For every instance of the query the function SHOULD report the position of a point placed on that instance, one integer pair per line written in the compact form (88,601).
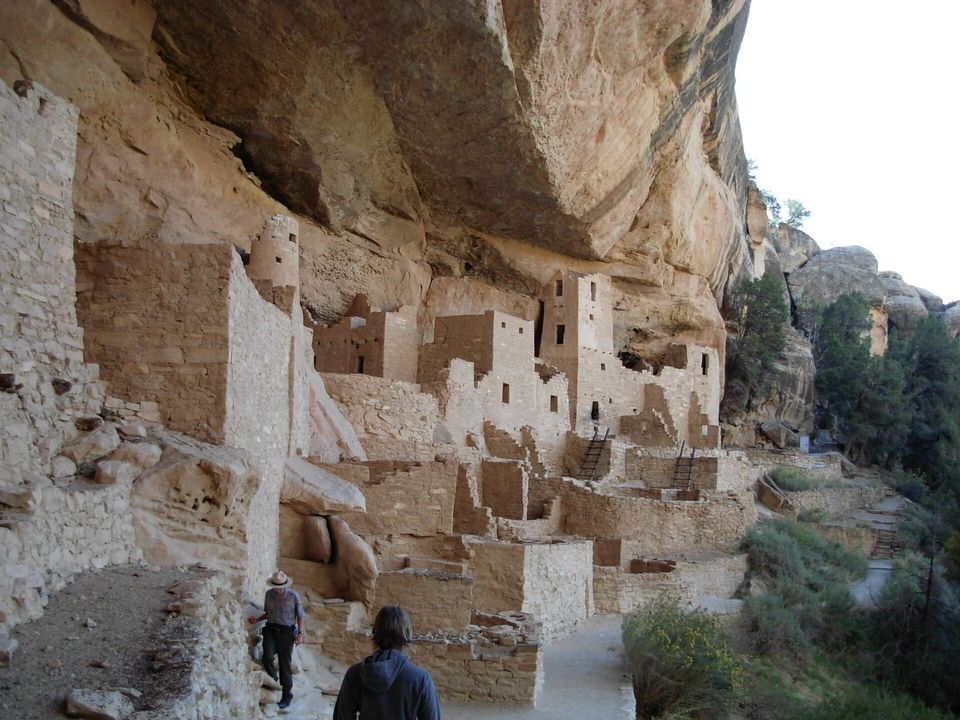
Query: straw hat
(279,579)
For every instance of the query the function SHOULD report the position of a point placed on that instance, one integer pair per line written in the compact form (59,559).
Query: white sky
(851,107)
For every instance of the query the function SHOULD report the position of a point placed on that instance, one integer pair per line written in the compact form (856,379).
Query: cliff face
(497,141)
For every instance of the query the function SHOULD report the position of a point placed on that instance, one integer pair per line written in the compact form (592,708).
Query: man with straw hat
(283,612)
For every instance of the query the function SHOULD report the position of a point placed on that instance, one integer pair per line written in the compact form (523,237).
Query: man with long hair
(386,685)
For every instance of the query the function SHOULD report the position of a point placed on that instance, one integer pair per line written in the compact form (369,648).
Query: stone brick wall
(505,488)
(257,407)
(223,682)
(60,532)
(465,672)
(393,419)
(621,592)
(558,585)
(838,499)
(156,320)
(552,581)
(434,600)
(467,337)
(388,342)
(40,340)
(714,522)
(412,498)
(466,666)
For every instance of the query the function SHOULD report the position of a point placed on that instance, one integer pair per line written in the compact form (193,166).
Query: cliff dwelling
(367,328)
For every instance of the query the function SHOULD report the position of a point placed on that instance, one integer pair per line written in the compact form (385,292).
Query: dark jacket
(387,686)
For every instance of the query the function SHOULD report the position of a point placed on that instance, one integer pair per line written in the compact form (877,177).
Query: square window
(521,331)
(603,366)
(503,324)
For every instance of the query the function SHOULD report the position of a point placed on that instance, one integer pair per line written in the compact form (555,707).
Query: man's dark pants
(278,641)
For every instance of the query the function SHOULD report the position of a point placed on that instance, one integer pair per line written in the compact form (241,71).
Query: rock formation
(417,302)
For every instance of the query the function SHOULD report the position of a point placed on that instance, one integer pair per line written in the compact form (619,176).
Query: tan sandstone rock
(312,490)
(317,539)
(143,455)
(111,472)
(355,563)
(98,705)
(94,445)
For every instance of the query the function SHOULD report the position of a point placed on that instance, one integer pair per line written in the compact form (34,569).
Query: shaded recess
(542,121)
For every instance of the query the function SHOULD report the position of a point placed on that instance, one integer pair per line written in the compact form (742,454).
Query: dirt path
(113,618)
(585,677)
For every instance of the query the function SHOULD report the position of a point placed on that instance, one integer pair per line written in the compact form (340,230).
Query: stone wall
(505,488)
(382,344)
(466,666)
(156,320)
(467,671)
(558,585)
(621,591)
(223,683)
(57,533)
(45,383)
(412,498)
(716,521)
(434,600)
(392,418)
(260,390)
(836,500)
(552,581)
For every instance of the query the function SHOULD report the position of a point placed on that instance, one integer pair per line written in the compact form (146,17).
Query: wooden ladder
(683,470)
(591,458)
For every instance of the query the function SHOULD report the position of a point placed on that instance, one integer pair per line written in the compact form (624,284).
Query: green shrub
(909,484)
(812,515)
(776,628)
(680,662)
(871,703)
(809,600)
(793,479)
(915,634)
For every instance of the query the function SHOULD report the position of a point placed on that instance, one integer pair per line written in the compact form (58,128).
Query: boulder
(116,472)
(63,467)
(20,497)
(143,455)
(933,303)
(951,318)
(832,273)
(94,445)
(269,696)
(794,247)
(317,539)
(193,505)
(905,308)
(780,435)
(355,564)
(98,705)
(791,397)
(332,437)
(313,491)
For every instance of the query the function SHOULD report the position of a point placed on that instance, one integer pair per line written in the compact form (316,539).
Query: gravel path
(114,618)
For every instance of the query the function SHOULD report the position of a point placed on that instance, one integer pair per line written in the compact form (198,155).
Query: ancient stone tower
(275,255)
